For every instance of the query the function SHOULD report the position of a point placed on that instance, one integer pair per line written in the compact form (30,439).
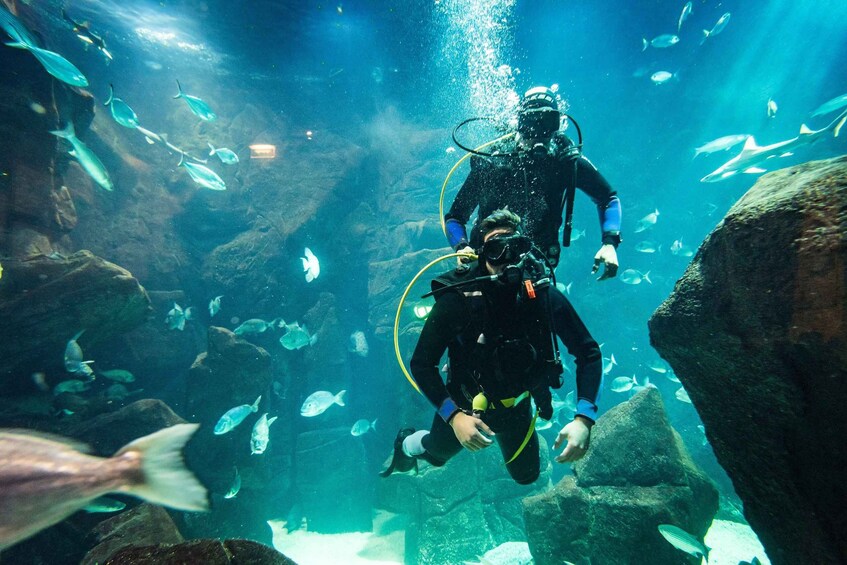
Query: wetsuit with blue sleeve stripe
(532,186)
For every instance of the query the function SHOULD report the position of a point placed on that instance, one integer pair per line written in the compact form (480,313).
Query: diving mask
(503,250)
(538,124)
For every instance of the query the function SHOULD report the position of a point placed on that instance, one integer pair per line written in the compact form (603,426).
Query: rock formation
(756,331)
(45,301)
(636,475)
(463,509)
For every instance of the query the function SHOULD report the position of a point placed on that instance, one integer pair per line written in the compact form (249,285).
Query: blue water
(347,69)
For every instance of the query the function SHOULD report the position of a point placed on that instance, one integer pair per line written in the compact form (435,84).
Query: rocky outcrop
(756,331)
(229,373)
(109,432)
(463,509)
(144,525)
(44,301)
(206,551)
(636,476)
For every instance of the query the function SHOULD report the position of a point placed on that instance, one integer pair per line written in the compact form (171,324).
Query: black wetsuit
(457,319)
(532,186)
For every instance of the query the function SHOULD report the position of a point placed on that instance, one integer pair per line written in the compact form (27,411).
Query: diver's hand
(466,259)
(469,431)
(577,434)
(608,257)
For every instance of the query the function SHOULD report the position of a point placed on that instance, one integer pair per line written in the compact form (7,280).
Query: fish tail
(272,420)
(373,424)
(166,480)
(67,133)
(18,44)
(647,277)
(111,95)
(211,149)
(838,123)
(255,407)
(339,398)
(180,93)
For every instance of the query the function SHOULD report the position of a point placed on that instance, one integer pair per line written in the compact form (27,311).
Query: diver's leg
(440,444)
(510,427)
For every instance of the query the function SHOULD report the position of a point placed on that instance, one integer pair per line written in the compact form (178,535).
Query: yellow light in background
(263,151)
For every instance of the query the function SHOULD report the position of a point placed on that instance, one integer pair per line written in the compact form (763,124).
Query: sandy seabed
(731,542)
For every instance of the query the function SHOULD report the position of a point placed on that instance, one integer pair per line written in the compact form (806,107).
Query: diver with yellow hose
(497,320)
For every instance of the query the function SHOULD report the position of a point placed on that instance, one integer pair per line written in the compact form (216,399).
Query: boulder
(463,509)
(756,331)
(109,432)
(636,476)
(44,301)
(205,551)
(144,525)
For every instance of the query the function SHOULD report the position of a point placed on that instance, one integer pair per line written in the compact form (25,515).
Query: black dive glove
(543,401)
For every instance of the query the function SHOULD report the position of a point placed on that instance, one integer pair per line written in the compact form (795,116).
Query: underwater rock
(636,475)
(109,432)
(144,525)
(756,332)
(232,371)
(205,551)
(324,491)
(463,509)
(44,301)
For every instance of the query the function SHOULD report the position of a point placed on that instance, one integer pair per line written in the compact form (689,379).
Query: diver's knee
(527,478)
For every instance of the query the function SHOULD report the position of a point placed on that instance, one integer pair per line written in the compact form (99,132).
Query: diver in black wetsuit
(497,330)
(532,176)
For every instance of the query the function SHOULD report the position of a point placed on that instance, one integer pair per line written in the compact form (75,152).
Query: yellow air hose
(453,170)
(400,308)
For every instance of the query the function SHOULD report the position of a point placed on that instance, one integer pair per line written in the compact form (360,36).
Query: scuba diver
(535,175)
(498,319)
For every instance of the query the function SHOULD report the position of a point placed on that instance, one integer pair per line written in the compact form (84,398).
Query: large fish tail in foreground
(44,480)
(166,480)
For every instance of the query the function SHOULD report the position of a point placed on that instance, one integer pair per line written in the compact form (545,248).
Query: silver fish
(623,384)
(608,363)
(104,504)
(632,276)
(319,401)
(647,221)
(43,480)
(665,40)
(253,326)
(261,434)
(311,265)
(202,175)
(659,366)
(86,157)
(215,305)
(661,77)
(647,246)
(679,248)
(772,108)
(117,391)
(671,376)
(121,111)
(721,144)
(119,375)
(72,385)
(361,427)
(234,416)
(718,27)
(197,106)
(227,156)
(832,105)
(684,541)
(686,11)
(296,337)
(682,395)
(236,485)
(177,317)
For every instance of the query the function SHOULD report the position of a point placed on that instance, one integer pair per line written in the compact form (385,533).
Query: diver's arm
(442,325)
(580,344)
(590,181)
(466,201)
